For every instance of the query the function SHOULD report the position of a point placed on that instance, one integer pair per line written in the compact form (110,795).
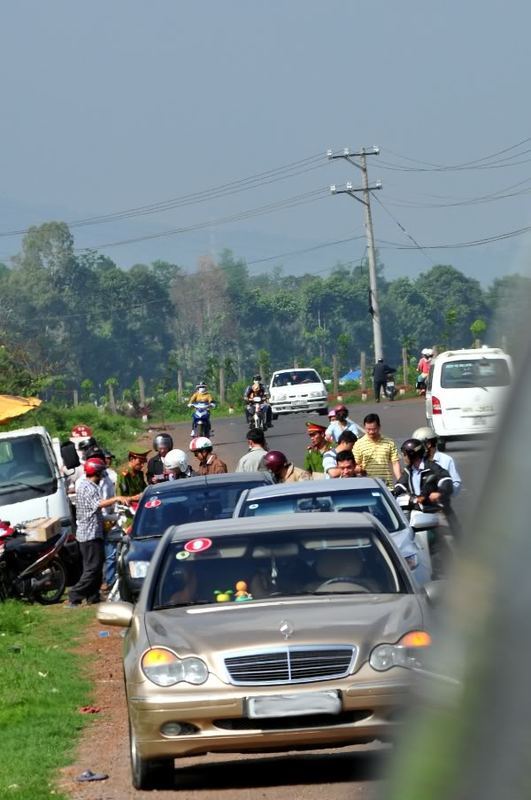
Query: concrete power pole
(365,200)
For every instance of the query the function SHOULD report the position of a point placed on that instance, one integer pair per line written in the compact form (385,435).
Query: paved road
(332,774)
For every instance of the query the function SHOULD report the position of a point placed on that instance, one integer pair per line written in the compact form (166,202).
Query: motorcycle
(257,414)
(390,390)
(420,385)
(122,529)
(432,534)
(201,418)
(32,571)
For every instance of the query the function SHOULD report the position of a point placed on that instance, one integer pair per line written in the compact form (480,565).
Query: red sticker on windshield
(198,545)
(153,503)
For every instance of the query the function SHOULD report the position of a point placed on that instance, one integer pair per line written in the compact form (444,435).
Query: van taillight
(436,406)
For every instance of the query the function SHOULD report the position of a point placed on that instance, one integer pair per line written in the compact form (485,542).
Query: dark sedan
(196,499)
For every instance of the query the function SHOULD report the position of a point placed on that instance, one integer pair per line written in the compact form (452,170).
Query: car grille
(291,665)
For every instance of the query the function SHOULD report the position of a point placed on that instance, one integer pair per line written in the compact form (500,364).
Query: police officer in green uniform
(131,482)
(313,460)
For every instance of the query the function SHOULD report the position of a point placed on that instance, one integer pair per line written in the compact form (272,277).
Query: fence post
(334,375)
(405,367)
(142,391)
(112,400)
(222,385)
(180,383)
(76,397)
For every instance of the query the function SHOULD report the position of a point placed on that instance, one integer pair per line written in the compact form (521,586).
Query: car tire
(322,411)
(125,592)
(274,417)
(149,773)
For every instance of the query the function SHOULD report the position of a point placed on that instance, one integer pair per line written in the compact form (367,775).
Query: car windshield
(193,504)
(25,470)
(246,568)
(372,501)
(475,372)
(296,377)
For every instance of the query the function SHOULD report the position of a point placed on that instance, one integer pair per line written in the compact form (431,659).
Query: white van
(32,484)
(292,390)
(465,392)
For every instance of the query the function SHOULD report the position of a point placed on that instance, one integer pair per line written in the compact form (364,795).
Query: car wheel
(274,417)
(125,591)
(322,411)
(149,773)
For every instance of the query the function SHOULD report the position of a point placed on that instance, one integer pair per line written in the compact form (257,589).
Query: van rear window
(475,372)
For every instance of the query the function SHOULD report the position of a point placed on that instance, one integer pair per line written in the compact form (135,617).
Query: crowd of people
(340,449)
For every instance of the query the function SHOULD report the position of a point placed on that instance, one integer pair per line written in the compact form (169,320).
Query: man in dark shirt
(380,375)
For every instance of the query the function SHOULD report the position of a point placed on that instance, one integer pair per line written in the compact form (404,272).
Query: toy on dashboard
(223,597)
(241,592)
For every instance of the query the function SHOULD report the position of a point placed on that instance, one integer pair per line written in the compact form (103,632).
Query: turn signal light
(436,406)
(416,639)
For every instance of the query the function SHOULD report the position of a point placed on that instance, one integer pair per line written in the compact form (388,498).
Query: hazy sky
(118,104)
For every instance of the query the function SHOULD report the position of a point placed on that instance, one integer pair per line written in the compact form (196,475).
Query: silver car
(369,495)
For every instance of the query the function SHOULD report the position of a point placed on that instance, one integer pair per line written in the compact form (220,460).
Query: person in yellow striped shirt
(377,455)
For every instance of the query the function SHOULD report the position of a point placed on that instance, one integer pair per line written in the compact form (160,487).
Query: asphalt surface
(334,774)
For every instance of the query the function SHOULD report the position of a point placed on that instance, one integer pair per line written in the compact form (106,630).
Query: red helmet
(275,460)
(94,466)
(341,410)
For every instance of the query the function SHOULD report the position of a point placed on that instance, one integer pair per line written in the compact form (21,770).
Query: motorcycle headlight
(163,668)
(406,653)
(138,569)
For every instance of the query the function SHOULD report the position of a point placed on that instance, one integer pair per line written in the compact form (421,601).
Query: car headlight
(316,394)
(163,668)
(138,569)
(278,397)
(406,653)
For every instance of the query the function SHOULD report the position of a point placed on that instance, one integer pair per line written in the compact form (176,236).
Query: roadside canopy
(12,406)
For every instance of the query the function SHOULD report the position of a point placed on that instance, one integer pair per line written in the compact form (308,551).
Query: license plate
(293,705)
(480,421)
(299,403)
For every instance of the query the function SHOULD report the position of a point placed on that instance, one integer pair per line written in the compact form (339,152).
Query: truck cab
(32,484)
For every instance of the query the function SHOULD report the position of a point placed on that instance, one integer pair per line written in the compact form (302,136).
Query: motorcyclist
(284,471)
(176,465)
(162,444)
(428,437)
(428,484)
(430,487)
(201,395)
(381,373)
(209,462)
(257,389)
(423,369)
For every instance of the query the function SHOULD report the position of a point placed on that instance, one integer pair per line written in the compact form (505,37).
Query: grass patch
(43,685)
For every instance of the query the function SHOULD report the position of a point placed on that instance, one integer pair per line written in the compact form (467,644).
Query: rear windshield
(475,372)
(196,504)
(243,567)
(296,377)
(371,501)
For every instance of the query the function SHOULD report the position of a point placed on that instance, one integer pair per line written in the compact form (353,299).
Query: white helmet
(200,443)
(428,352)
(424,434)
(176,459)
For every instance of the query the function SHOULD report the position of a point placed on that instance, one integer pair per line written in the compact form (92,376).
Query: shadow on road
(283,770)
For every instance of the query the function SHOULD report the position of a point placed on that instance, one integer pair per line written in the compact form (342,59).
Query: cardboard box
(42,529)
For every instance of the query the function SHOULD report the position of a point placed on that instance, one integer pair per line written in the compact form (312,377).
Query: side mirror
(421,521)
(69,455)
(119,614)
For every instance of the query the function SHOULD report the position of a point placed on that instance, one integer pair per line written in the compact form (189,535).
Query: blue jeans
(109,565)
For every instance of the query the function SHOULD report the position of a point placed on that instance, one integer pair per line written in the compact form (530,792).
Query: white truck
(32,481)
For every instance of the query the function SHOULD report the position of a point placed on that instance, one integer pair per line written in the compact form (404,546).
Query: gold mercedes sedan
(298,630)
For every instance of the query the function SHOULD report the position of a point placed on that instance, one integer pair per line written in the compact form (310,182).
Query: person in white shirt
(253,460)
(341,423)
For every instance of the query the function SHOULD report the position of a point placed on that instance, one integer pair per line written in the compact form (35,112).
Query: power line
(306,249)
(285,172)
(290,202)
(404,231)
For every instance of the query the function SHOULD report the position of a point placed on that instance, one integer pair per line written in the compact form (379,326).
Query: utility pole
(365,190)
